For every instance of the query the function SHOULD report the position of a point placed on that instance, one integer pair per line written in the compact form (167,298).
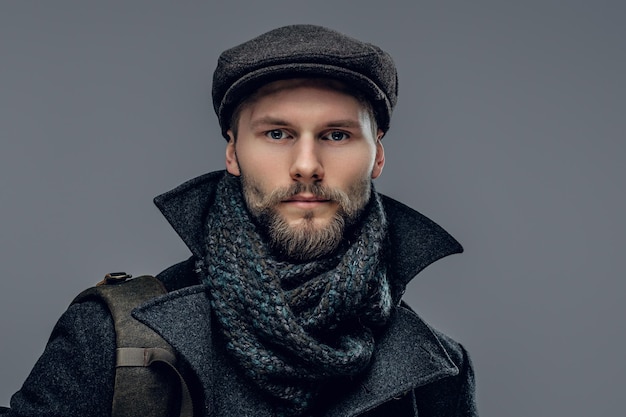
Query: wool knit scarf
(293,326)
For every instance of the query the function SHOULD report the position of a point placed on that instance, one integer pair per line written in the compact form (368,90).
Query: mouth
(306,201)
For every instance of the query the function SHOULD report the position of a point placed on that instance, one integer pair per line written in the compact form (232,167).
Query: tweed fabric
(291,327)
(304,51)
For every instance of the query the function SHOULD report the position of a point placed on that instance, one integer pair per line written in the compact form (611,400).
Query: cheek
(354,165)
(261,170)
(258,158)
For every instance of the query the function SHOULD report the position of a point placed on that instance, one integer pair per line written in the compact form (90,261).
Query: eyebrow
(347,123)
(268,120)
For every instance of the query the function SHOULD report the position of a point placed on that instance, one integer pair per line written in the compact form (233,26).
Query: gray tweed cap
(304,51)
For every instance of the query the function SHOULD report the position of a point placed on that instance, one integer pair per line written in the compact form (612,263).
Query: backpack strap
(145,362)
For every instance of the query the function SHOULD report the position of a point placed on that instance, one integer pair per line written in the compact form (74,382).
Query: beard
(306,240)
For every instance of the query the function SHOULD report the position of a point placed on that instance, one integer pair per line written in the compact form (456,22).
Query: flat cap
(304,51)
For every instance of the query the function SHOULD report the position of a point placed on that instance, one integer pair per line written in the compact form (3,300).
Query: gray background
(509,132)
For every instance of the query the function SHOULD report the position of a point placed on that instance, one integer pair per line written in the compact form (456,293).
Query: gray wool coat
(415,369)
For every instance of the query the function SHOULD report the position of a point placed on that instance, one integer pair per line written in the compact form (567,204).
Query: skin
(300,131)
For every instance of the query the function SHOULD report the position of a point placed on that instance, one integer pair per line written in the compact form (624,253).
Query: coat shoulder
(455,350)
(78,360)
(454,395)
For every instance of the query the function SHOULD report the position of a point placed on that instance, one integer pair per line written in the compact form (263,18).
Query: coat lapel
(408,355)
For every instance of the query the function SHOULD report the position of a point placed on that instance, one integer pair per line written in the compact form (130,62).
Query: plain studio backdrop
(509,132)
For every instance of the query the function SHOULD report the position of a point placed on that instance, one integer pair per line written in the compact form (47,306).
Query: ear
(379,160)
(232,166)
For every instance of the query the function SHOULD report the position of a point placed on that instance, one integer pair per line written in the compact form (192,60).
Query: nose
(306,163)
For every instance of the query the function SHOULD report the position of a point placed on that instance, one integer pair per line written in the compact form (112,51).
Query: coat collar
(415,240)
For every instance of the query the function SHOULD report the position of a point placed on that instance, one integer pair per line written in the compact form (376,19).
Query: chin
(309,222)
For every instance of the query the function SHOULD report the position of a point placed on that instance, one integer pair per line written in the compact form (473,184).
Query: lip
(305,200)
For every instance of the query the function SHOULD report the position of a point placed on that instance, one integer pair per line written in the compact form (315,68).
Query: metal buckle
(114,278)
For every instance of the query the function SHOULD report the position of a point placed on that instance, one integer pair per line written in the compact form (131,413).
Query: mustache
(317,190)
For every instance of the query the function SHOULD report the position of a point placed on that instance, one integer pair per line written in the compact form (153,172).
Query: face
(306,153)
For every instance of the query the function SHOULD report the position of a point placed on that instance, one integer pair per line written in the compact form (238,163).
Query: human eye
(276,134)
(336,136)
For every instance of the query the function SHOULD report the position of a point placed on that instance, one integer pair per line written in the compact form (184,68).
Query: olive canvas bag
(147,381)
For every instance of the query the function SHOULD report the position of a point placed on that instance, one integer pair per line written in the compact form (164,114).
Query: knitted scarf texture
(291,327)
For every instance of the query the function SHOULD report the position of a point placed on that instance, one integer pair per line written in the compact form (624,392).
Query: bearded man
(290,304)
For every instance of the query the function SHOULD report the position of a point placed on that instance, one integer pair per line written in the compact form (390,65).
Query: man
(291,302)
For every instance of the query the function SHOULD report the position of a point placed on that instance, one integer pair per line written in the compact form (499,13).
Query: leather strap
(144,357)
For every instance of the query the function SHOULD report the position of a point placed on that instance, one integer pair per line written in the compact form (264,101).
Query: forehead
(307,107)
(314,85)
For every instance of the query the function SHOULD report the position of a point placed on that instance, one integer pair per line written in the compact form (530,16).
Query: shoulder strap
(145,362)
